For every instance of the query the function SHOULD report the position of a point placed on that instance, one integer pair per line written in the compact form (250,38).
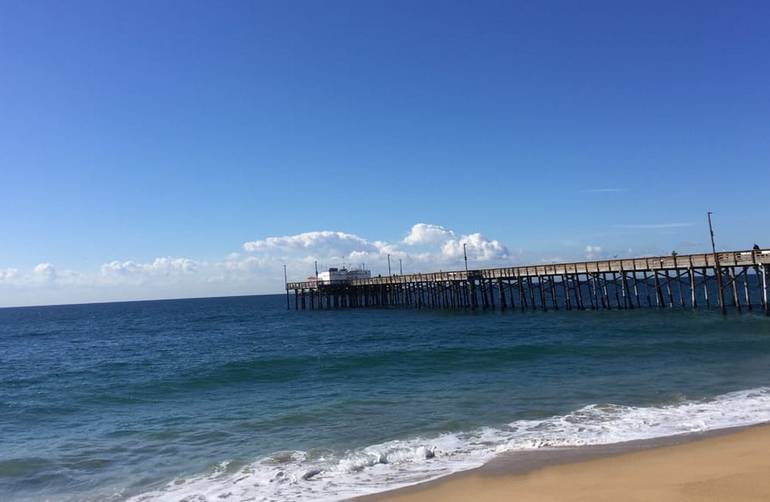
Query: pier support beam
(720,289)
(624,288)
(501,289)
(603,291)
(658,292)
(531,292)
(636,289)
(764,290)
(578,291)
(554,298)
(747,295)
(691,277)
(668,290)
(734,288)
(705,277)
(594,292)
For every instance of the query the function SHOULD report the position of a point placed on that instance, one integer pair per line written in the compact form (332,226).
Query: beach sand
(733,466)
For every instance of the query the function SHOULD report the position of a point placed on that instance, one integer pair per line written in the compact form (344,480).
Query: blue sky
(173,131)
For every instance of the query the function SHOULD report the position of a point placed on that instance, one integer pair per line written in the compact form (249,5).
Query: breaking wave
(323,476)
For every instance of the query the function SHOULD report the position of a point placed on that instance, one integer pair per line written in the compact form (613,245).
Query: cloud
(424,233)
(327,241)
(477,247)
(425,244)
(163,267)
(592,252)
(652,226)
(440,245)
(8,274)
(44,272)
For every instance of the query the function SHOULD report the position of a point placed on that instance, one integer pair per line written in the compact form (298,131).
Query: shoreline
(513,473)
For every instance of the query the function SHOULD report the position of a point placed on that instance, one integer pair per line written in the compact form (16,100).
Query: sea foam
(304,476)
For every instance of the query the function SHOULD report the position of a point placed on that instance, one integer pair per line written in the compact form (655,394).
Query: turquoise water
(238,397)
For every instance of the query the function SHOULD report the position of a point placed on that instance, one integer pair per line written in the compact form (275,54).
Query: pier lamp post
(717,267)
(389,272)
(400,267)
(465,255)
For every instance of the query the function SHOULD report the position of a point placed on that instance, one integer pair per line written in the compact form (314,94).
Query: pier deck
(732,278)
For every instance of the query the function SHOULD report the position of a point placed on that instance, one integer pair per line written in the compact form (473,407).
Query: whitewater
(319,476)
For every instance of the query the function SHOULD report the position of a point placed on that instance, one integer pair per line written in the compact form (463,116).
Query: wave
(324,476)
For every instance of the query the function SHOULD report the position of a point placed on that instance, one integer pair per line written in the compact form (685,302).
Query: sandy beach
(733,466)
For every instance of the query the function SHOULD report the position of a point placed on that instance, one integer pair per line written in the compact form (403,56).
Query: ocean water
(238,398)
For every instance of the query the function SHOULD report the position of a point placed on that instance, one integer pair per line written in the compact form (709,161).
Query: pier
(734,280)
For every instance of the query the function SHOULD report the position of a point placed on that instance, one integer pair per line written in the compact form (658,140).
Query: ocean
(238,398)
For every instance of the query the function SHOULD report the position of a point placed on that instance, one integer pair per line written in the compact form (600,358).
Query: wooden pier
(732,279)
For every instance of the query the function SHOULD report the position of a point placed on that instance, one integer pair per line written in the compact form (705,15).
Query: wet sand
(726,465)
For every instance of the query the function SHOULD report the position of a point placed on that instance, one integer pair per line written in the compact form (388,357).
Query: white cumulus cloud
(44,272)
(425,247)
(424,233)
(477,248)
(325,241)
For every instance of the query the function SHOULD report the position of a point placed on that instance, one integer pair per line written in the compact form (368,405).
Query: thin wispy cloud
(604,190)
(653,226)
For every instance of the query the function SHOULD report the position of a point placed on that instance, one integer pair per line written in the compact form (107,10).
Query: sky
(164,149)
